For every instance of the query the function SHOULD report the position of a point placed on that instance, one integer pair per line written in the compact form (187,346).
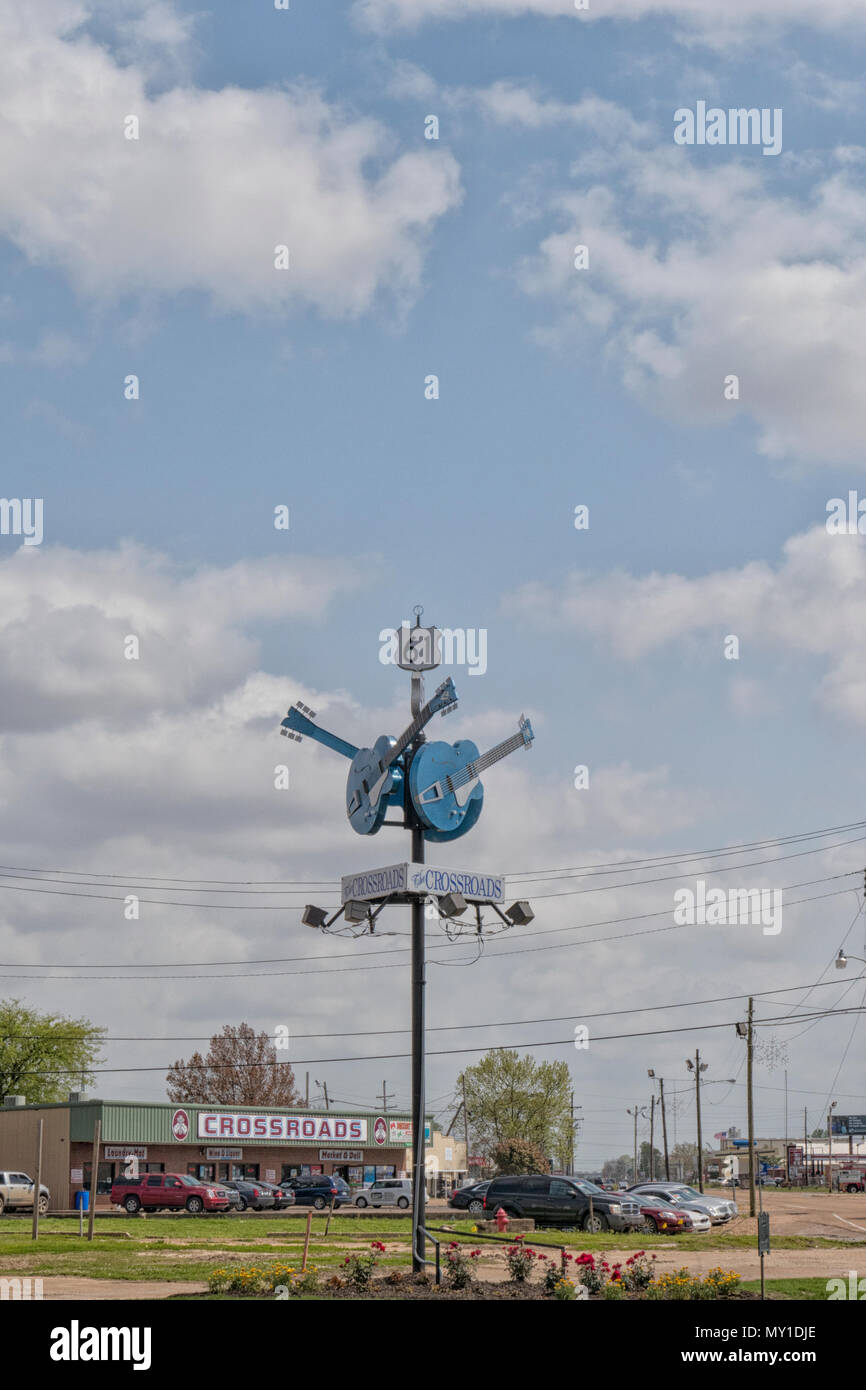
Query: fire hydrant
(502,1219)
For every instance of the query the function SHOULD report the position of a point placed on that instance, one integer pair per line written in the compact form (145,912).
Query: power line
(442,1052)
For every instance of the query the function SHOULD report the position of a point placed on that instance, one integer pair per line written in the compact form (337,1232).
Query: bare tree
(241,1068)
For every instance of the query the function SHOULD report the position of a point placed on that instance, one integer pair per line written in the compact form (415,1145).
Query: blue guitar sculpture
(299,721)
(375,779)
(445,786)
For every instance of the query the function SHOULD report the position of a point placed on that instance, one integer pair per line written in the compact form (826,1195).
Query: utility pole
(324,1086)
(465,1120)
(750,1100)
(805,1146)
(638,1110)
(665,1130)
(385,1097)
(307,1100)
(697,1066)
(652,1176)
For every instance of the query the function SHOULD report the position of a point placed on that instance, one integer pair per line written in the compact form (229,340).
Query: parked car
(16,1192)
(670,1218)
(253,1194)
(470,1197)
(387,1192)
(172,1191)
(234,1197)
(283,1196)
(319,1190)
(719,1209)
(561,1201)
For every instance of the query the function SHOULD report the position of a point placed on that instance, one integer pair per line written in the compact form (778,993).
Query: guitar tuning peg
(311,713)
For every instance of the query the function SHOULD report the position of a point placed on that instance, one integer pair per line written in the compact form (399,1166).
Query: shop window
(290,1170)
(104,1175)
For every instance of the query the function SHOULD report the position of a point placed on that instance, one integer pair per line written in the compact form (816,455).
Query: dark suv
(561,1201)
(319,1190)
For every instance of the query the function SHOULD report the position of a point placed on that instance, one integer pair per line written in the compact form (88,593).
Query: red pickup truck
(174,1191)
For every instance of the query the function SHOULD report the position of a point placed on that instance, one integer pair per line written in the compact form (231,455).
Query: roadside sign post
(763,1241)
(37,1191)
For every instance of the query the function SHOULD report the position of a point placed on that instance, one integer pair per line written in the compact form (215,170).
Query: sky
(165,387)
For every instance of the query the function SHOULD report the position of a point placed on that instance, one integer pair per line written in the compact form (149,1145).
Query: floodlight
(314,916)
(520,913)
(452,905)
(355,910)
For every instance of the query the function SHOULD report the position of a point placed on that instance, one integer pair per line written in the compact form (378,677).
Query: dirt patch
(56,1289)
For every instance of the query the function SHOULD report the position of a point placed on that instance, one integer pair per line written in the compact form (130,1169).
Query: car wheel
(132,1205)
(319,1203)
(194,1205)
(649,1226)
(403,1202)
(43,1205)
(2,1203)
(595,1222)
(475,1205)
(361,1202)
(243,1204)
(852,1187)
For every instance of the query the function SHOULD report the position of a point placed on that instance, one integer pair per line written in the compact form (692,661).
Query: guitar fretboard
(408,734)
(479,765)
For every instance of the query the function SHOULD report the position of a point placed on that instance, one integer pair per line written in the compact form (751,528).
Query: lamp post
(639,1110)
(830,1145)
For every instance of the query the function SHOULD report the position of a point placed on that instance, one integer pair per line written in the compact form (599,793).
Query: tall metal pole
(750,1044)
(418,992)
(652,1169)
(665,1130)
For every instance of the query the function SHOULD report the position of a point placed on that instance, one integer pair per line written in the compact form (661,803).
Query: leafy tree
(518,1156)
(513,1097)
(43,1056)
(241,1068)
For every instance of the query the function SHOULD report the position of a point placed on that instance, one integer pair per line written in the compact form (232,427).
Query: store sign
(224,1154)
(341,1155)
(180,1126)
(400,1133)
(122,1151)
(76,1175)
(293,1129)
(425,880)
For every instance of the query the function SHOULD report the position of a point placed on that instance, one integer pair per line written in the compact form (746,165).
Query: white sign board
(424,879)
(341,1155)
(311,1129)
(121,1151)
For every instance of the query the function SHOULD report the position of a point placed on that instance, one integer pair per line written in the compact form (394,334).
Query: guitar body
(369,792)
(451,814)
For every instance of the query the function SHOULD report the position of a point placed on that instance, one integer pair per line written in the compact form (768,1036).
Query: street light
(639,1111)
(842,960)
(660,1079)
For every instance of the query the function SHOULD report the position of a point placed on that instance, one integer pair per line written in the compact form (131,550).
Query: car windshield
(187,1181)
(589,1189)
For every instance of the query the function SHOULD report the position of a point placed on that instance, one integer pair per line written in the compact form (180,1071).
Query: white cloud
(732,23)
(699,273)
(810,605)
(215,182)
(65,615)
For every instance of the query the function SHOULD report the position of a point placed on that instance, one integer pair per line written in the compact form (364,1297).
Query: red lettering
(244,1125)
(227,1125)
(339,1129)
(325,1131)
(210,1124)
(355,1129)
(292,1128)
(308,1128)
(260,1124)
(276,1127)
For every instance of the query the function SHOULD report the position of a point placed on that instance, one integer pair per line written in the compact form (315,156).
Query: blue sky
(557,387)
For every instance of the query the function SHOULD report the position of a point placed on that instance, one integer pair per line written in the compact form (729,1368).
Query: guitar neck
(479,765)
(408,734)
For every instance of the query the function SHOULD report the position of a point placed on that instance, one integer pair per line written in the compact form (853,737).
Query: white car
(387,1192)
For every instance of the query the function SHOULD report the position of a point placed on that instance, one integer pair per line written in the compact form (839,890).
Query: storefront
(216,1143)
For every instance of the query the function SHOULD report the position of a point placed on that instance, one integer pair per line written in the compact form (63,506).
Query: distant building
(445,1164)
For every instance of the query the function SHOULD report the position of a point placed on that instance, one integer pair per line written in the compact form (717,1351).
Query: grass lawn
(791,1288)
(188,1247)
